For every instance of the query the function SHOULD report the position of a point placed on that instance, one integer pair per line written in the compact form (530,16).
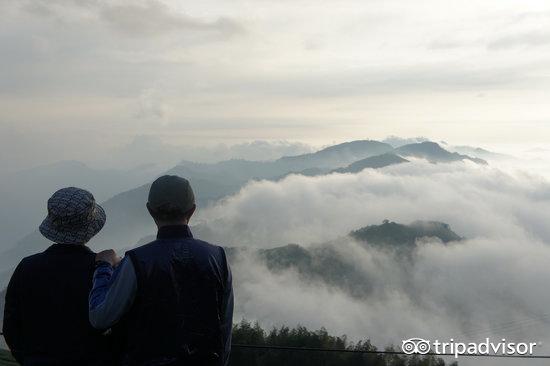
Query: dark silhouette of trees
(252,334)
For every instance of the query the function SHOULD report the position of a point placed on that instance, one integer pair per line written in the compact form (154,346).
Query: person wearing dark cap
(46,309)
(172,298)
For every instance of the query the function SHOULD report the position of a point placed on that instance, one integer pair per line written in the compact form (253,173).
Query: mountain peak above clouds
(339,155)
(397,141)
(373,162)
(397,235)
(434,153)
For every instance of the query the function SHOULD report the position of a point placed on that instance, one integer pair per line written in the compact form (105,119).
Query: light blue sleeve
(112,294)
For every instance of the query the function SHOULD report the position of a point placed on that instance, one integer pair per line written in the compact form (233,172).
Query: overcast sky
(81,77)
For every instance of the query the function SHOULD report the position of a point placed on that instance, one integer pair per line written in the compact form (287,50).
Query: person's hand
(108,256)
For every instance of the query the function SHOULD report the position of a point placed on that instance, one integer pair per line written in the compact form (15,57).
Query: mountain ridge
(434,153)
(373,162)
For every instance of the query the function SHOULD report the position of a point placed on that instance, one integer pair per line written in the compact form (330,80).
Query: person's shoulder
(33,258)
(28,263)
(143,247)
(211,248)
(205,244)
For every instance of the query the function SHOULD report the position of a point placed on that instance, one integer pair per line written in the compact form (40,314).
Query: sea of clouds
(492,284)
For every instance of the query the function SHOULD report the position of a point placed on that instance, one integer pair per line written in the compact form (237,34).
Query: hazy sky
(81,77)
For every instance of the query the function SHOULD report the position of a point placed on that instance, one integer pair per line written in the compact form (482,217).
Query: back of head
(171,199)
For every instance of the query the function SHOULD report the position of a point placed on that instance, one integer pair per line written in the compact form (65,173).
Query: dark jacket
(46,310)
(183,309)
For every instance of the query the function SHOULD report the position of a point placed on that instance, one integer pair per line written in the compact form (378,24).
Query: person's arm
(12,317)
(112,294)
(227,320)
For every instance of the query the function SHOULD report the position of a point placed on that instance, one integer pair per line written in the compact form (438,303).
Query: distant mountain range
(374,162)
(479,152)
(434,153)
(337,155)
(128,220)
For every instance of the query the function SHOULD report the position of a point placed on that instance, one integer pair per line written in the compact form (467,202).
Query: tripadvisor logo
(422,347)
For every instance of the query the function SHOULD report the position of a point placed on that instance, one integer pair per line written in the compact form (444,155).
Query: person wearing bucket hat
(171,300)
(46,309)
(73,217)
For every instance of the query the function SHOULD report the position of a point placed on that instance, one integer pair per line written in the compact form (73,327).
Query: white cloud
(150,105)
(474,200)
(490,285)
(530,39)
(154,18)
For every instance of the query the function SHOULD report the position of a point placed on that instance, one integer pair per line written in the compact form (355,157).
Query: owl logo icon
(415,346)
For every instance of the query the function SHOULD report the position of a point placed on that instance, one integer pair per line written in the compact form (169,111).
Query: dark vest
(51,292)
(176,315)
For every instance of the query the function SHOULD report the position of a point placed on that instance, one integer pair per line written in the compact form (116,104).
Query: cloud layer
(474,200)
(486,286)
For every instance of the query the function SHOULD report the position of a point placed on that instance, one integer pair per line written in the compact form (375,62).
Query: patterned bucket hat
(73,217)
